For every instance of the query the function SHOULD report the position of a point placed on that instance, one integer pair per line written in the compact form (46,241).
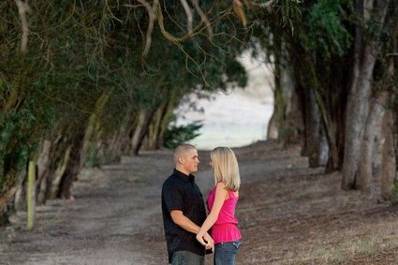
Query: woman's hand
(200,238)
(210,242)
(206,240)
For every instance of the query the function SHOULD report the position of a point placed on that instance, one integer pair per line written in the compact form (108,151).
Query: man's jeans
(225,253)
(187,258)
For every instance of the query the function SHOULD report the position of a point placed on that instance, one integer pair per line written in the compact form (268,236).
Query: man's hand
(206,240)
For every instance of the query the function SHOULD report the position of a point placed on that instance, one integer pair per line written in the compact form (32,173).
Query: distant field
(235,118)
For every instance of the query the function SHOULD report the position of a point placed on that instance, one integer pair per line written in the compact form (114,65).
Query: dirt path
(289,214)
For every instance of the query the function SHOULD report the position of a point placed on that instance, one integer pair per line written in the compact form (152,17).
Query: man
(184,210)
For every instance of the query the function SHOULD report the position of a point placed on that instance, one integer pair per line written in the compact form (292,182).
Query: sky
(236,117)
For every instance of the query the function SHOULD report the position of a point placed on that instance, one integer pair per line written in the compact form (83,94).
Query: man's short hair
(181,149)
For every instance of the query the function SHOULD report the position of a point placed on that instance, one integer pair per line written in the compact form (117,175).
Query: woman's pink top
(225,229)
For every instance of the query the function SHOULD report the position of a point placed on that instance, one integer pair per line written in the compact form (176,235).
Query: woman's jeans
(225,253)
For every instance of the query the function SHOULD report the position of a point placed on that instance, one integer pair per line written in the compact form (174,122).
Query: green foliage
(236,73)
(319,27)
(176,135)
(80,50)
(15,144)
(290,12)
(326,30)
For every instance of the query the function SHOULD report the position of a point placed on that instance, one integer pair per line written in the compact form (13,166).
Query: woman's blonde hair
(225,167)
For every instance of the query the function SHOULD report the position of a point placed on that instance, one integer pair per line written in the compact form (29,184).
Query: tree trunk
(316,144)
(365,53)
(72,168)
(43,165)
(319,140)
(167,117)
(155,128)
(9,181)
(368,180)
(388,173)
(145,117)
(4,201)
(272,130)
(389,147)
(357,113)
(287,117)
(93,131)
(50,174)
(161,121)
(54,179)
(120,143)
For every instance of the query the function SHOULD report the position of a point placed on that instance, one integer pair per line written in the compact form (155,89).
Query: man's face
(190,161)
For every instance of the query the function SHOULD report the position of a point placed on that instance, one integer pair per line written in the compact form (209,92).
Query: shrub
(175,135)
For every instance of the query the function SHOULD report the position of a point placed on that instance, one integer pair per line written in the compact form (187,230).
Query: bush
(175,135)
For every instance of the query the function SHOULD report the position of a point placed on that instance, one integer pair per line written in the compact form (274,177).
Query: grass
(367,240)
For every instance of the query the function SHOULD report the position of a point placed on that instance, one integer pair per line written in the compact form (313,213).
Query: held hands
(206,240)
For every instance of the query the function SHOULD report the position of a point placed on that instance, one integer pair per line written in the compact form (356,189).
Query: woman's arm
(221,195)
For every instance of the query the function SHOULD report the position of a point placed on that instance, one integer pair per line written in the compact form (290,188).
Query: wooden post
(30,194)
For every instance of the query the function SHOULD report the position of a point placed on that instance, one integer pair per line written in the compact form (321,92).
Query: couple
(184,215)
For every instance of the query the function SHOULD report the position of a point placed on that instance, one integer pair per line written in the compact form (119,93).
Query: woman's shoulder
(223,186)
(220,185)
(220,188)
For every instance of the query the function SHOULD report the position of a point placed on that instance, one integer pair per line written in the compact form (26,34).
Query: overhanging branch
(23,8)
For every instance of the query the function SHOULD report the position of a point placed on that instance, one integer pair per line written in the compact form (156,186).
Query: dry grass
(306,219)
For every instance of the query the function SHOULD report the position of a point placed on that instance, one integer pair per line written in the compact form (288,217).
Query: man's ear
(180,160)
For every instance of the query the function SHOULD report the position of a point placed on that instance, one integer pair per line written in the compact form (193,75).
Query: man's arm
(181,220)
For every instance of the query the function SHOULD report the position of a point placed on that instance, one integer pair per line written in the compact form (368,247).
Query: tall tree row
(336,78)
(84,82)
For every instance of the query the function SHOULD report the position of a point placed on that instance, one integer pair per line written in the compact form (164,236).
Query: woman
(221,202)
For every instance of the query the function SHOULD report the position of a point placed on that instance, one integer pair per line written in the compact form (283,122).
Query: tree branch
(188,13)
(164,32)
(155,13)
(237,6)
(152,18)
(23,8)
(204,18)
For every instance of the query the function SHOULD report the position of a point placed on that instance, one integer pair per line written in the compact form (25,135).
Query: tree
(334,47)
(75,89)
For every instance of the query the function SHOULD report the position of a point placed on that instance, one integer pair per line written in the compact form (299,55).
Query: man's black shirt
(179,192)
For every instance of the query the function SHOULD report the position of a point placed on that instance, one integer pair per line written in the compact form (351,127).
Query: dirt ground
(289,214)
